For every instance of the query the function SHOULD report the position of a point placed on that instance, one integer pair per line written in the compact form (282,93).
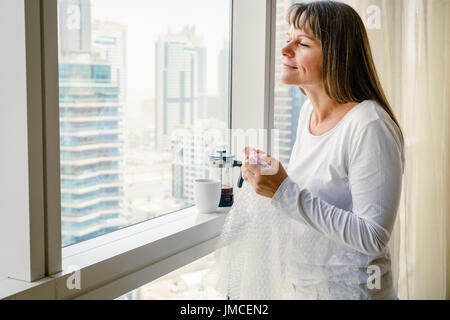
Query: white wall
(14,196)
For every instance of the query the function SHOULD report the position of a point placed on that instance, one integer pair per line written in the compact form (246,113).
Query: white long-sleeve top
(342,192)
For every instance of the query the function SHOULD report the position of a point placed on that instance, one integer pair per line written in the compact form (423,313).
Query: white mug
(207,194)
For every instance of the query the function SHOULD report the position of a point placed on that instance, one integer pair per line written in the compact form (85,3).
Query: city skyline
(141,15)
(110,177)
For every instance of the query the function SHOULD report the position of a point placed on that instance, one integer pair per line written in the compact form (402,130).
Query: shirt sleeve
(375,181)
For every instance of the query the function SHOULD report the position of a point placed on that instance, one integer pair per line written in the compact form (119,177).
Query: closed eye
(302,44)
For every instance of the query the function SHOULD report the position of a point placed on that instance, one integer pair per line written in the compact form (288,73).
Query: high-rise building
(288,99)
(110,43)
(91,87)
(223,81)
(180,71)
(191,148)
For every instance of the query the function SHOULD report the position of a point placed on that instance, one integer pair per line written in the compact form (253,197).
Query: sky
(147,19)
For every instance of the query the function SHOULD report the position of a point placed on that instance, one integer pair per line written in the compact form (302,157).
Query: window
(288,100)
(138,85)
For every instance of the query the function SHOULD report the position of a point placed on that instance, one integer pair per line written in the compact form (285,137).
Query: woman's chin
(289,81)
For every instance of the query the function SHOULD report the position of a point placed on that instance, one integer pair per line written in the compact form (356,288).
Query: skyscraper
(91,88)
(180,70)
(191,148)
(223,81)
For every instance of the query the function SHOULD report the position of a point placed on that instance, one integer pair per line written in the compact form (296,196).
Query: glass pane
(288,99)
(132,75)
(182,284)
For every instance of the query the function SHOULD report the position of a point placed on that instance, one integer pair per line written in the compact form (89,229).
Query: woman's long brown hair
(349,73)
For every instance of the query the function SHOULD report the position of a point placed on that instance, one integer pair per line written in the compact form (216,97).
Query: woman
(343,184)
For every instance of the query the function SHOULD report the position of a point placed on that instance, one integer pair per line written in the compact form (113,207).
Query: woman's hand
(265,181)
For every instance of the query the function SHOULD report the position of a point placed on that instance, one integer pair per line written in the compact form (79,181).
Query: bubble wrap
(251,254)
(264,254)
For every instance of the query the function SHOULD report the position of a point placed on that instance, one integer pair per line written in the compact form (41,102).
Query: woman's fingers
(247,171)
(254,164)
(254,154)
(247,151)
(245,176)
(253,170)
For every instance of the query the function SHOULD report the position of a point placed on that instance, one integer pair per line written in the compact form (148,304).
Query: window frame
(119,262)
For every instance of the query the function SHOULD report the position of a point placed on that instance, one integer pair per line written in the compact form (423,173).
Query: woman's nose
(286,51)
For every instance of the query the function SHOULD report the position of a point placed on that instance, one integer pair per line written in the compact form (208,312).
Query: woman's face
(302,59)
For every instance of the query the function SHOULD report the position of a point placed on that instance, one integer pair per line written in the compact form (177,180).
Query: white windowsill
(116,263)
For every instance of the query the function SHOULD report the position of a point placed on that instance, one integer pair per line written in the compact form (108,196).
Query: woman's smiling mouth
(289,67)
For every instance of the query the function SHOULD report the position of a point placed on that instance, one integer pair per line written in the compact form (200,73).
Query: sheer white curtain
(410,41)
